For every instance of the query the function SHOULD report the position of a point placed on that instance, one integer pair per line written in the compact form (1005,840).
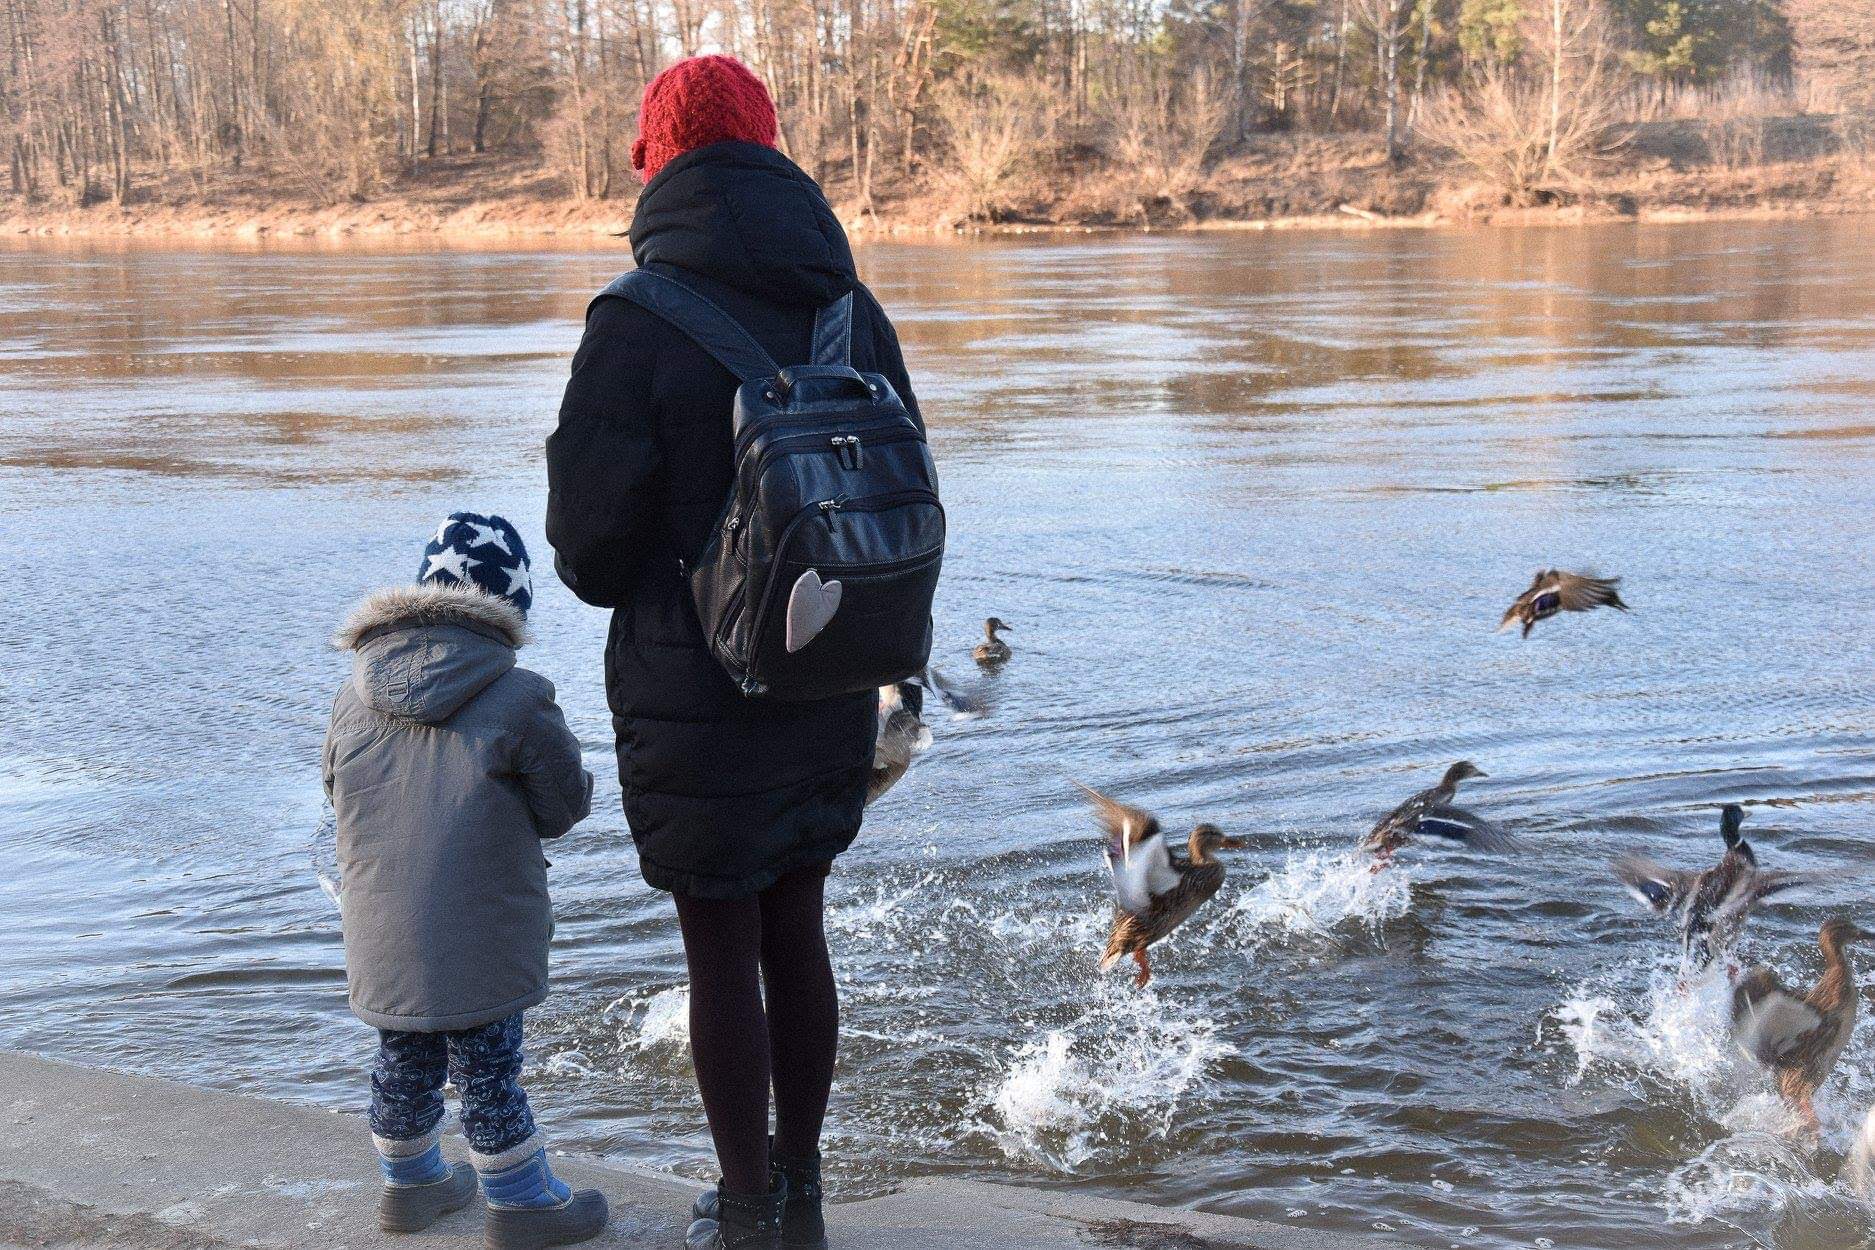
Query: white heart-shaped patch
(810,606)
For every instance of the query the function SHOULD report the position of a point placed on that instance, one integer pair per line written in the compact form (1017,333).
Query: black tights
(741,951)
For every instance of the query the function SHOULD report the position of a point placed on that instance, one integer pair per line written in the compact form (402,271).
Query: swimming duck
(1553,591)
(992,651)
(902,734)
(1431,812)
(1709,907)
(1154,891)
(1799,1037)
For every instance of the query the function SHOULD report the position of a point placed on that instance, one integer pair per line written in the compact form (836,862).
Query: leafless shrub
(1855,151)
(1747,94)
(1159,136)
(1735,143)
(995,128)
(1539,125)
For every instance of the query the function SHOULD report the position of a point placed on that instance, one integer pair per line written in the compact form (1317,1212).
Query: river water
(1253,504)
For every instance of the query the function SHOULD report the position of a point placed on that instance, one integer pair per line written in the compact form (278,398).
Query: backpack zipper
(826,508)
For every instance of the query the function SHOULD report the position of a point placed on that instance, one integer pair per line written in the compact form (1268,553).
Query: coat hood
(748,217)
(421,652)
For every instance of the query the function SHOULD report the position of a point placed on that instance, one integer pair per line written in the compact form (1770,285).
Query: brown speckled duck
(1431,812)
(992,652)
(1554,591)
(1154,891)
(1799,1037)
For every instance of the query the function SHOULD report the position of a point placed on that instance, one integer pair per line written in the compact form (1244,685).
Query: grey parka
(446,766)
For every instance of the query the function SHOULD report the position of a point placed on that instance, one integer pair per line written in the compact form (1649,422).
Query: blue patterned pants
(485,1066)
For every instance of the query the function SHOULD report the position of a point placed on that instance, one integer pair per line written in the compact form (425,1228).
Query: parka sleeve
(604,462)
(547,760)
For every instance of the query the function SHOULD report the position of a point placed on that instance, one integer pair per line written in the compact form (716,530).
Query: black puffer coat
(724,794)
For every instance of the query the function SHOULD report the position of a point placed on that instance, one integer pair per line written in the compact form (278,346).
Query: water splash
(1681,1033)
(1317,891)
(323,850)
(1745,1173)
(653,1021)
(1099,1086)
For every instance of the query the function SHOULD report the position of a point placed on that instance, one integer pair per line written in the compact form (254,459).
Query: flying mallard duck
(1799,1037)
(992,651)
(1709,907)
(1154,892)
(1431,812)
(902,734)
(1553,591)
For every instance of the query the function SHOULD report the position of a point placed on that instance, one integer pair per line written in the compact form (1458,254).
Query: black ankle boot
(741,1221)
(802,1225)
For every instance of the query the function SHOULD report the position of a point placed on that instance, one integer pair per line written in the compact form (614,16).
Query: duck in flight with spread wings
(1154,890)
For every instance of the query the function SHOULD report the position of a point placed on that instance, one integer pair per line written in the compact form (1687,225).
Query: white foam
(1099,1085)
(1681,1033)
(1316,891)
(656,1020)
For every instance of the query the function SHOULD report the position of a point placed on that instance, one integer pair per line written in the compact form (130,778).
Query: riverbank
(1663,172)
(108,1161)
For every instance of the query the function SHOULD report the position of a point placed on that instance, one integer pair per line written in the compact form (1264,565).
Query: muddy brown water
(1252,502)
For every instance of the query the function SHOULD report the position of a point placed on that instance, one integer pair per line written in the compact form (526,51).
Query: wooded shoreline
(1665,175)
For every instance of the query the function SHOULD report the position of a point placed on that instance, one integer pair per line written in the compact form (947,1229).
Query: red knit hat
(703,100)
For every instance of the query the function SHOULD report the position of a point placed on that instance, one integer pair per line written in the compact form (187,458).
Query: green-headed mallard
(1554,591)
(1431,812)
(992,651)
(1154,891)
(1709,907)
(1799,1037)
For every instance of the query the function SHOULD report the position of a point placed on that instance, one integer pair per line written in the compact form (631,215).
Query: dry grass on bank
(1145,173)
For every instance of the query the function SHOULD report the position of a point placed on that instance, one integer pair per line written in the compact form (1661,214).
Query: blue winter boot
(529,1208)
(419,1188)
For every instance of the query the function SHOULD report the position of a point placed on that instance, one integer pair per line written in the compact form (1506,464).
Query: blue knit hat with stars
(485,552)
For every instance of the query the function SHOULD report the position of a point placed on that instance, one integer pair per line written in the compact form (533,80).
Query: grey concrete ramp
(114,1162)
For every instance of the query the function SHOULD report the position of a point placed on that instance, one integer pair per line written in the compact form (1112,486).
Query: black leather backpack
(818,579)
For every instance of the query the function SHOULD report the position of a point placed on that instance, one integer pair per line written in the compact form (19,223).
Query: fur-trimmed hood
(421,652)
(431,603)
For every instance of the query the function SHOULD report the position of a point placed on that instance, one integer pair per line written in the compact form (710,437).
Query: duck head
(1464,770)
(1731,816)
(1208,839)
(993,626)
(1839,931)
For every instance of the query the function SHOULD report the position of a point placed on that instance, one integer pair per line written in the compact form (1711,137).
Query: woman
(738,806)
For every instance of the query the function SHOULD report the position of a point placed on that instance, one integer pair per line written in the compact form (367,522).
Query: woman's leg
(803,1008)
(729,1032)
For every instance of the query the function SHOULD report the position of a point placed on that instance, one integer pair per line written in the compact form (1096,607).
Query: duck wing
(1135,850)
(1580,592)
(1766,884)
(1656,888)
(1459,825)
(1769,1022)
(964,702)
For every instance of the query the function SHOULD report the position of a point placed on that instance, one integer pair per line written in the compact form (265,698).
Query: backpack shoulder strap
(833,332)
(706,324)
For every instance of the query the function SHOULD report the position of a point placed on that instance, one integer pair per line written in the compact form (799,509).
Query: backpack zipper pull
(830,506)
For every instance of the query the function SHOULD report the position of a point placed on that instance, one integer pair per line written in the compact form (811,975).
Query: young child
(447,766)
